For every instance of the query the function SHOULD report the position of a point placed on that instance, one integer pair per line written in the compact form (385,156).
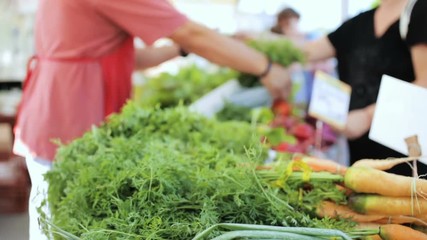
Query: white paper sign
(330,100)
(400,112)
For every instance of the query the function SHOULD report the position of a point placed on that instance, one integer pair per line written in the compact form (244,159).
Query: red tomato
(303,131)
(281,108)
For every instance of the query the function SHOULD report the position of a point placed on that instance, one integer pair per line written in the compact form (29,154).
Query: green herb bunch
(187,85)
(233,112)
(281,51)
(163,174)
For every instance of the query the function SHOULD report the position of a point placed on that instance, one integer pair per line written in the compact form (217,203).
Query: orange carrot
(370,180)
(333,210)
(382,164)
(372,237)
(389,206)
(400,232)
(318,165)
(401,219)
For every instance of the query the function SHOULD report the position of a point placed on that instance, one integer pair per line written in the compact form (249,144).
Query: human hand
(358,122)
(278,82)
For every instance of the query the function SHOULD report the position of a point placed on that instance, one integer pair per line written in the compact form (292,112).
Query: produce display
(173,174)
(170,174)
(376,199)
(188,85)
(298,130)
(301,126)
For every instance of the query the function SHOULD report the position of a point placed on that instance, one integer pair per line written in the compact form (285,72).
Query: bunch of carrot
(393,203)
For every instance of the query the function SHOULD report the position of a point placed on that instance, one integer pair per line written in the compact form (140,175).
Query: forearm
(219,49)
(370,110)
(153,56)
(419,59)
(232,53)
(359,122)
(317,50)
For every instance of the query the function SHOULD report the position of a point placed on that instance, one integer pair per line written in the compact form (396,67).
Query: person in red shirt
(83,63)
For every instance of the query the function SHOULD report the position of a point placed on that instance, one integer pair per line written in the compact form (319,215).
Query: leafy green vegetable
(233,112)
(187,86)
(167,174)
(281,51)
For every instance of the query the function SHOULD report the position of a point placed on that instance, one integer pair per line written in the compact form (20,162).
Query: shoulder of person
(361,20)
(361,17)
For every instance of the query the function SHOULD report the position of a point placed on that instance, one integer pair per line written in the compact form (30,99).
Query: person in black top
(366,47)
(413,29)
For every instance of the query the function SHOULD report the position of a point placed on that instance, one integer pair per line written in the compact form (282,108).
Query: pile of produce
(170,174)
(233,112)
(297,130)
(281,51)
(394,204)
(187,85)
(302,127)
(173,174)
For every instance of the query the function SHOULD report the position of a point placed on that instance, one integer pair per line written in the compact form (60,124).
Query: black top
(417,28)
(362,60)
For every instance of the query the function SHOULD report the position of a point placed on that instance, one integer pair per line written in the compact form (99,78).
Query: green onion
(313,232)
(264,235)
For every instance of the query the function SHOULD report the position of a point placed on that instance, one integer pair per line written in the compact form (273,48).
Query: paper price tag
(400,112)
(330,100)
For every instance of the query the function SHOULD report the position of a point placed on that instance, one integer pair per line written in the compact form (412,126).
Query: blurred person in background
(287,24)
(86,46)
(366,47)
